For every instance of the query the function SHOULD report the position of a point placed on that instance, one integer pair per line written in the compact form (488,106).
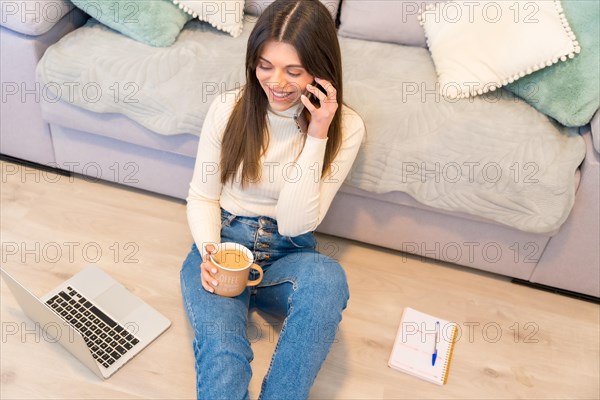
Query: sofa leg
(31,164)
(552,289)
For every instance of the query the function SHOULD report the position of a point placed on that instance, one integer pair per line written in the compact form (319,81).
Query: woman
(269,163)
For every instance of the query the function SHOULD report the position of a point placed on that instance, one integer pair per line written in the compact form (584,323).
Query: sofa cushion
(225,15)
(33,17)
(393,21)
(167,90)
(24,133)
(118,127)
(154,22)
(569,92)
(481,46)
(493,156)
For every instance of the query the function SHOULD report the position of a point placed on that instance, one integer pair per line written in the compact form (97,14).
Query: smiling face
(281,75)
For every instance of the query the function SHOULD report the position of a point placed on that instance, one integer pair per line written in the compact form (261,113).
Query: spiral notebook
(418,338)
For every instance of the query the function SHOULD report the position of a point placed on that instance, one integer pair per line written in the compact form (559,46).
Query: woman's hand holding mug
(207,269)
(226,268)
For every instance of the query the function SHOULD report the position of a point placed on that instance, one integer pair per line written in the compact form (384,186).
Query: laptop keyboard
(107,340)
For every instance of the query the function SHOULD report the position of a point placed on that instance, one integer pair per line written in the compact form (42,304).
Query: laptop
(94,317)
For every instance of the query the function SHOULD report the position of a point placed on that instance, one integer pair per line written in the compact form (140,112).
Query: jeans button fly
(261,231)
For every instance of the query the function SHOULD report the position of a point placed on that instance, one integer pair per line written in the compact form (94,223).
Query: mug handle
(257,280)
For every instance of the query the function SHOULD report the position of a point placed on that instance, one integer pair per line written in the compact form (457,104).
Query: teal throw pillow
(569,91)
(154,22)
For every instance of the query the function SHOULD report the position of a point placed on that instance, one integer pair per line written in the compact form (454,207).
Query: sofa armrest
(33,17)
(595,126)
(571,260)
(25,134)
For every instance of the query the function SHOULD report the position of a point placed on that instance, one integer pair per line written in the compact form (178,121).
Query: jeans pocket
(304,241)
(226,220)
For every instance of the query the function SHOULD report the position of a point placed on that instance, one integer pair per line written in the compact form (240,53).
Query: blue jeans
(309,290)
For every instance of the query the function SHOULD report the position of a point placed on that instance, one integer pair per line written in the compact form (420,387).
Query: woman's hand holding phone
(321,117)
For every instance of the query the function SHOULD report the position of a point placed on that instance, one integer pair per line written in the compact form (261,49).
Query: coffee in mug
(231,259)
(233,262)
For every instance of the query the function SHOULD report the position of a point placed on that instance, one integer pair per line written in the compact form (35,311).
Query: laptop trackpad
(118,302)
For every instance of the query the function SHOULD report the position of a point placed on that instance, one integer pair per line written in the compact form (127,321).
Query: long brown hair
(307,25)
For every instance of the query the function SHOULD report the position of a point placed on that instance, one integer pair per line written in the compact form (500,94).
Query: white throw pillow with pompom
(480,46)
(225,15)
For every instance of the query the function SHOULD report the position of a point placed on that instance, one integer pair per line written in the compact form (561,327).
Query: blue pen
(437,334)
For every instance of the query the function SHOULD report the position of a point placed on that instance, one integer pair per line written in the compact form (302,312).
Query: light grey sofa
(113,147)
(26,31)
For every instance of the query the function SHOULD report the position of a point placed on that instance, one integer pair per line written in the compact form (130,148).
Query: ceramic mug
(233,262)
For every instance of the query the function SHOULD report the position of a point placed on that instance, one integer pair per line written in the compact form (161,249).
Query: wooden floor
(516,342)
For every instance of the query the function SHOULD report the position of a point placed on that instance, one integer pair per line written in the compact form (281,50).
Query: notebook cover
(415,342)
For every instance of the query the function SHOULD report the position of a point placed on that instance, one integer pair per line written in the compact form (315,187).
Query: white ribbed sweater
(290,190)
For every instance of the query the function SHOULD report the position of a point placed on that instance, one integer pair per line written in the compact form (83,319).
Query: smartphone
(312,98)
(303,117)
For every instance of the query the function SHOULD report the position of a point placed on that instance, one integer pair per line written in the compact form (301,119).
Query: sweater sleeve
(306,197)
(203,201)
